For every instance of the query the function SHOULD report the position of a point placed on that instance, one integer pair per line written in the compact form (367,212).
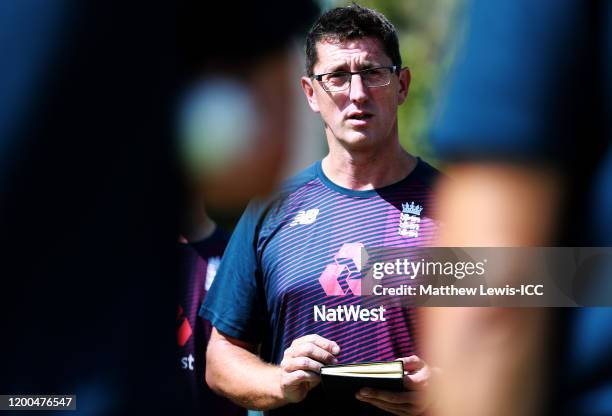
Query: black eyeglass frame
(394,69)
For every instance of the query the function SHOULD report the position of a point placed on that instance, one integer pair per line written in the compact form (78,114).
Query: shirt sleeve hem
(228,328)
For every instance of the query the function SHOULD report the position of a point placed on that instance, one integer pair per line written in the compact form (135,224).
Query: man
(297,253)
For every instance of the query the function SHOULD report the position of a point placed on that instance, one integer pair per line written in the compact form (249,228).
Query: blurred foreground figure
(234,115)
(89,189)
(85,197)
(526,125)
(236,103)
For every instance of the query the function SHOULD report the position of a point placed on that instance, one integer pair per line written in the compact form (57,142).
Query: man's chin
(358,137)
(357,140)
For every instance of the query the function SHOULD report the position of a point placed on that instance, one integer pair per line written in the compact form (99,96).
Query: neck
(197,226)
(367,169)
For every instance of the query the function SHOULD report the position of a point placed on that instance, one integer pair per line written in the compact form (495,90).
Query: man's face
(359,117)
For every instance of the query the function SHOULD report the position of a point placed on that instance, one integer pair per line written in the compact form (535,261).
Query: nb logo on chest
(305,217)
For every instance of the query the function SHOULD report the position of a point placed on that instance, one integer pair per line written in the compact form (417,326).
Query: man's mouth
(359,116)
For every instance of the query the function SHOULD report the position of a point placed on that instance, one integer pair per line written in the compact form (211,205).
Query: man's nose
(358,91)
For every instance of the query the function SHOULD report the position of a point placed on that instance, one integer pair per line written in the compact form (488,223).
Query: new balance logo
(305,217)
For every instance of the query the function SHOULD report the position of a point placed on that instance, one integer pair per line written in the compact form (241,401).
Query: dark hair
(352,22)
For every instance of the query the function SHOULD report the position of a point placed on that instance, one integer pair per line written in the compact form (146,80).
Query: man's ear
(404,83)
(308,88)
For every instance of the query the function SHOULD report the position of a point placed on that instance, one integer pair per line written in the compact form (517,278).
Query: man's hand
(417,397)
(301,364)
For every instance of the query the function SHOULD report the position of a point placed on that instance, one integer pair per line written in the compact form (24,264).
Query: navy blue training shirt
(300,252)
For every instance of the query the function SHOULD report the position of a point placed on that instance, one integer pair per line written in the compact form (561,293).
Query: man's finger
(412,363)
(389,396)
(301,376)
(313,351)
(318,340)
(418,380)
(301,363)
(415,382)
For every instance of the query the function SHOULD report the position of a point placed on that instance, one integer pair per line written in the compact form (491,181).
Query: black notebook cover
(342,388)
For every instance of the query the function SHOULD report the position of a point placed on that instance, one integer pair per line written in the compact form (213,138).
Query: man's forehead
(331,51)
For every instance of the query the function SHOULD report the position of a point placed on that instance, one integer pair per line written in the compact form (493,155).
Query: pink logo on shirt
(343,272)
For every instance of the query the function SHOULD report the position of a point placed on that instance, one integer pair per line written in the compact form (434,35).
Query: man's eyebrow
(343,67)
(339,67)
(370,64)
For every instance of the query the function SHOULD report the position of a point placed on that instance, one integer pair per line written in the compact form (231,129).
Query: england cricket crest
(410,220)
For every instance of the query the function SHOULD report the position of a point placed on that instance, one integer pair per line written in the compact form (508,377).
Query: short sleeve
(234,304)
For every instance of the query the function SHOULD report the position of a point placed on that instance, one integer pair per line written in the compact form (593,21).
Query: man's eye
(337,75)
(374,72)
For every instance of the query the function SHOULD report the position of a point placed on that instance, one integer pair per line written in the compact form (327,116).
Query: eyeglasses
(371,78)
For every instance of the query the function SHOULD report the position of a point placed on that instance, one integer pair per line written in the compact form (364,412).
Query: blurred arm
(492,358)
